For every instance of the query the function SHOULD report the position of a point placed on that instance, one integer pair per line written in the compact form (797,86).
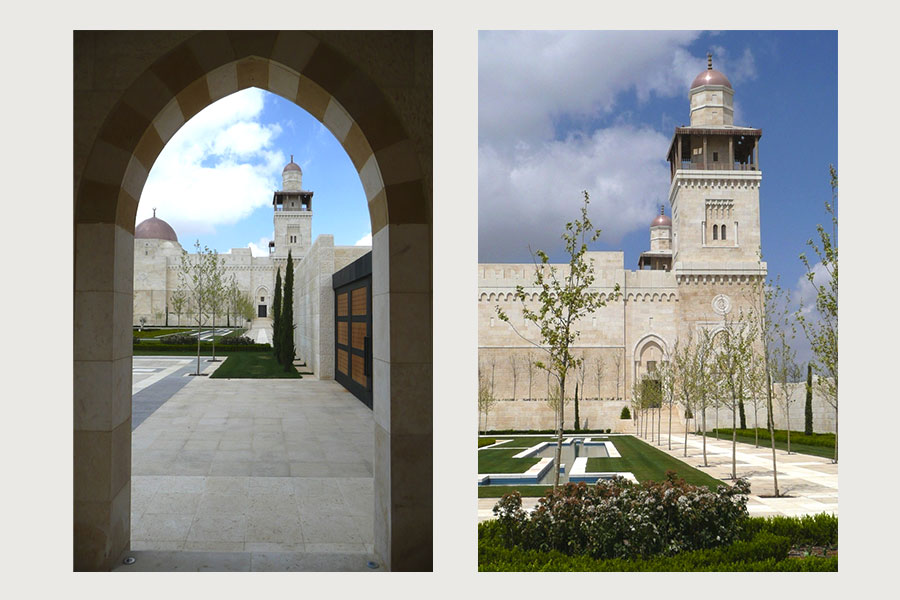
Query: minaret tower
(293,214)
(715,179)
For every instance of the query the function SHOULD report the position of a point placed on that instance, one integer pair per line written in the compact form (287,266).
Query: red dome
(291,166)
(155,229)
(711,77)
(661,221)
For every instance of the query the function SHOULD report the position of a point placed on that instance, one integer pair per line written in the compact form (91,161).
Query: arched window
(723,232)
(715,232)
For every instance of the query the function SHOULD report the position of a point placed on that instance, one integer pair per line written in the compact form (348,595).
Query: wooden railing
(687,165)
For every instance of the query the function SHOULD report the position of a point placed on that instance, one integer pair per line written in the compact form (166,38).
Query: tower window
(723,232)
(715,157)
(715,232)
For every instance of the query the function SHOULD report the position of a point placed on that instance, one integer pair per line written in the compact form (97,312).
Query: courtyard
(244,474)
(808,484)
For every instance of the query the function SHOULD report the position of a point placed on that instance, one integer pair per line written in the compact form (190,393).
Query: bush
(136,340)
(238,341)
(812,530)
(206,347)
(178,338)
(619,519)
(626,414)
(764,552)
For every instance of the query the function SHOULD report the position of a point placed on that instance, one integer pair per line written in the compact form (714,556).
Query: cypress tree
(286,344)
(808,429)
(276,315)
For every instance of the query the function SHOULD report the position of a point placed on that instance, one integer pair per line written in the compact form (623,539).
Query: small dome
(710,76)
(291,166)
(661,221)
(155,229)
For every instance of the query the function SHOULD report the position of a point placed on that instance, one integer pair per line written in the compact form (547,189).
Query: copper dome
(661,221)
(710,76)
(155,229)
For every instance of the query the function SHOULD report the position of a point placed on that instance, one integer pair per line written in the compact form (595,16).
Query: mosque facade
(158,262)
(697,272)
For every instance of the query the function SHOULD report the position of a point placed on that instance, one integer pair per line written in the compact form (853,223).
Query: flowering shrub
(619,519)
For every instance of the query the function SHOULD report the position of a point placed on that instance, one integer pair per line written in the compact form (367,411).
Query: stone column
(401,305)
(104,265)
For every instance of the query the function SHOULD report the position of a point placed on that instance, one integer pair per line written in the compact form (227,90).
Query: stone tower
(292,215)
(714,194)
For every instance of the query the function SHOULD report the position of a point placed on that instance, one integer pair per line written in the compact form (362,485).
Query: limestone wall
(523,414)
(313,302)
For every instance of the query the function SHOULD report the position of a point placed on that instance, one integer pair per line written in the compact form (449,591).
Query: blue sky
(564,111)
(214,179)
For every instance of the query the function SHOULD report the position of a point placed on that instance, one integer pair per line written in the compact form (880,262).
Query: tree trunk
(687,423)
(787,417)
(733,442)
(659,425)
(559,432)
(771,431)
(670,423)
(756,424)
(705,464)
(836,432)
(577,416)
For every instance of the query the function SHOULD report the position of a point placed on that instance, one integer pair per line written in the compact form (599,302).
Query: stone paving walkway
(810,482)
(280,469)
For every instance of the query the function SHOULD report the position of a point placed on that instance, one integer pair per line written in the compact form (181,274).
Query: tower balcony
(687,165)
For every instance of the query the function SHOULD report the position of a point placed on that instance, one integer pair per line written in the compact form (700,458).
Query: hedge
(761,551)
(825,440)
(204,346)
(546,431)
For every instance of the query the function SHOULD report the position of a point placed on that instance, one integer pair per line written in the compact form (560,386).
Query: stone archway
(372,90)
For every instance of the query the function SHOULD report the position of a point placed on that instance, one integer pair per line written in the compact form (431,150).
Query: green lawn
(648,463)
(500,460)
(824,447)
(158,332)
(527,491)
(641,459)
(253,365)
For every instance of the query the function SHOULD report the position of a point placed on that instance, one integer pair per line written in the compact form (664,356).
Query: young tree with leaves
(666,372)
(216,294)
(514,369)
(194,278)
(822,330)
(684,380)
(563,300)
(530,365)
(733,351)
(287,317)
(178,302)
(617,363)
(276,317)
(808,410)
(485,396)
(783,364)
(599,369)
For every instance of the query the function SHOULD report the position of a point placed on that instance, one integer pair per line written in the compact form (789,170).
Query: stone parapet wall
(537,414)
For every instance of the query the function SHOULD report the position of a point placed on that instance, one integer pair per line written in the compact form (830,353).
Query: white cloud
(218,168)
(531,177)
(526,198)
(365,240)
(262,249)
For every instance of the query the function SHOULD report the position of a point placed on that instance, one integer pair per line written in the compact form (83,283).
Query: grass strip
(500,460)
(253,365)
(649,464)
(823,443)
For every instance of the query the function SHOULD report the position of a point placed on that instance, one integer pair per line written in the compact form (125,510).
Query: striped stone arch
(133,91)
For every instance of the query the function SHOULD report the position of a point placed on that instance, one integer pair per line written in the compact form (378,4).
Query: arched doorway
(372,90)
